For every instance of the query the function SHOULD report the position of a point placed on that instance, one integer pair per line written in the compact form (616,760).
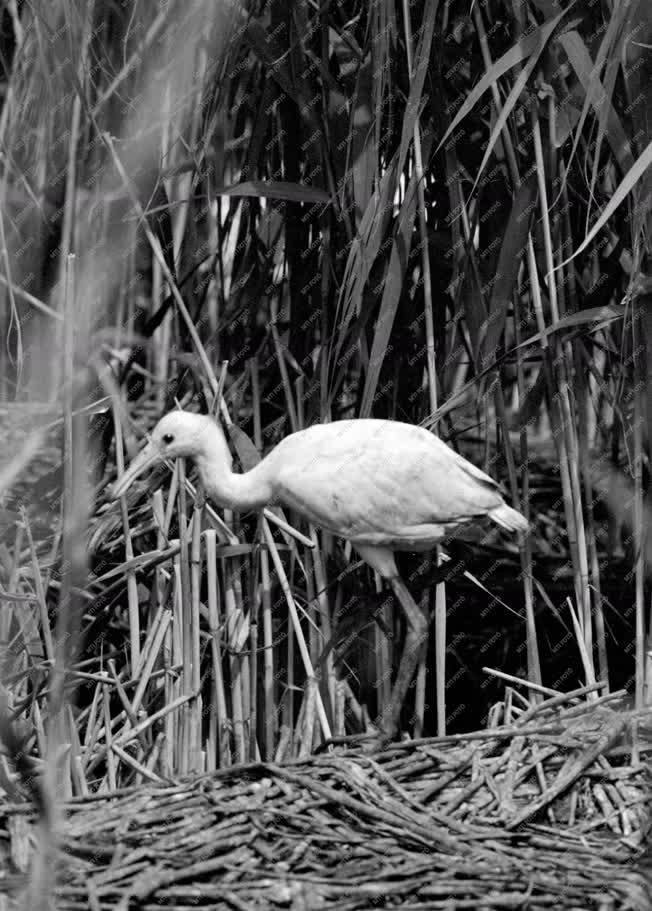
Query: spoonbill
(382,485)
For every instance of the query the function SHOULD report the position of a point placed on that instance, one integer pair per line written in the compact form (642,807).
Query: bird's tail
(508,518)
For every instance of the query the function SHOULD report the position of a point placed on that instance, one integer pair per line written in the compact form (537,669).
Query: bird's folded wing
(355,487)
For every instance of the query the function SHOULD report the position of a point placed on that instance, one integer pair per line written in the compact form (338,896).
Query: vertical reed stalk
(235,664)
(638,318)
(195,647)
(132,590)
(534,664)
(216,627)
(440,591)
(185,765)
(582,398)
(111,764)
(567,420)
(170,690)
(324,612)
(303,649)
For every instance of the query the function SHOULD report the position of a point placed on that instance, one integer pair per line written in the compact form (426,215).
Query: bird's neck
(239,492)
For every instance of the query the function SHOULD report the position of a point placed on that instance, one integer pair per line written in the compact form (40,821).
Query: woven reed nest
(548,812)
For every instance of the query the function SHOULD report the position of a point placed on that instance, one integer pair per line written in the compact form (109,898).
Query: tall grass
(289,215)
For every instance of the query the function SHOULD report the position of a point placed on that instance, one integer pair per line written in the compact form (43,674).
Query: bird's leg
(415,636)
(200,494)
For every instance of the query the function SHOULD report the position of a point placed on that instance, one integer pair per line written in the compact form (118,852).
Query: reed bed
(543,809)
(224,672)
(281,214)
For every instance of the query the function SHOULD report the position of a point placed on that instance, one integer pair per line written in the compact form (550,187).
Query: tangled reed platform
(546,811)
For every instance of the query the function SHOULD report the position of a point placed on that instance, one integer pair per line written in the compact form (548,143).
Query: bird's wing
(367,477)
(474,473)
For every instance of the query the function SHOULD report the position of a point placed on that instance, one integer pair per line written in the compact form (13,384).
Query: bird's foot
(379,735)
(383,738)
(382,741)
(350,741)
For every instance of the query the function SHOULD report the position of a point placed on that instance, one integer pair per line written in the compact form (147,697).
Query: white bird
(382,485)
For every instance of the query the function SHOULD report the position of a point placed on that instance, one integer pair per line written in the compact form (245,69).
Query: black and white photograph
(325,455)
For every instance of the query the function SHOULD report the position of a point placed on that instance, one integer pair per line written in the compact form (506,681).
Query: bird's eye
(168,438)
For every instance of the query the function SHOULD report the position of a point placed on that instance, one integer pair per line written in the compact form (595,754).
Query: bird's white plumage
(380,482)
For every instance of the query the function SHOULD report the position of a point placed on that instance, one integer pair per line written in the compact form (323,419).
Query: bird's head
(179,433)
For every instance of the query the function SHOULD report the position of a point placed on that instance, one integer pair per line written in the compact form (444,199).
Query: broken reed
(570,375)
